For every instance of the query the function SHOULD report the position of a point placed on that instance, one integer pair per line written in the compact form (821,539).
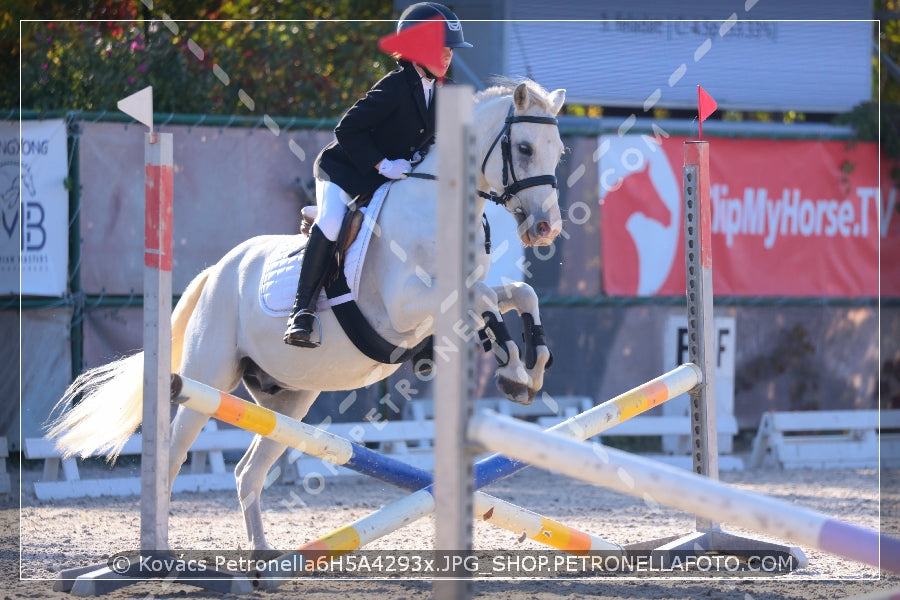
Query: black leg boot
(316,258)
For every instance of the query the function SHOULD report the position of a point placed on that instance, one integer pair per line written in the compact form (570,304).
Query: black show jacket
(390,121)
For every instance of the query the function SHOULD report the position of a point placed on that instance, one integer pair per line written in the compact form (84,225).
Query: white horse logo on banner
(650,210)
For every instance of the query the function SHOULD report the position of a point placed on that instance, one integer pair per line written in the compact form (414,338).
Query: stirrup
(303,342)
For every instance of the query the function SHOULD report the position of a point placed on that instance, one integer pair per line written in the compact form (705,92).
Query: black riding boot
(316,257)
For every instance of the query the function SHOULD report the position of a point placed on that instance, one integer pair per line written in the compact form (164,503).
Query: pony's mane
(504,86)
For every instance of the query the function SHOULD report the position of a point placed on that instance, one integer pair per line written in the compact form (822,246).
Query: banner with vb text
(789,218)
(34,211)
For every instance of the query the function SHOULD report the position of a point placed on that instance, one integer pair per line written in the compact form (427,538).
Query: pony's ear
(520,97)
(557,99)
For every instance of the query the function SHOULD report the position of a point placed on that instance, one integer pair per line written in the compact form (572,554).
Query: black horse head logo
(13,178)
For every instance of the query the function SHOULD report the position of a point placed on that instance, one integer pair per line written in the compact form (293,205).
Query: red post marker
(697,154)
(421,43)
(158,176)
(706,106)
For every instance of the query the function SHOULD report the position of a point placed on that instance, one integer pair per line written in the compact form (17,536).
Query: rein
(510,190)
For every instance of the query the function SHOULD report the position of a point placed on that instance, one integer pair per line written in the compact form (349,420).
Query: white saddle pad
(278,285)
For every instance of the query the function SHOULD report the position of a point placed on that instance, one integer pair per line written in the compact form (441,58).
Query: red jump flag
(706,106)
(421,43)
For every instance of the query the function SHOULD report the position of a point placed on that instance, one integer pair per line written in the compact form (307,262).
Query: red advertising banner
(789,218)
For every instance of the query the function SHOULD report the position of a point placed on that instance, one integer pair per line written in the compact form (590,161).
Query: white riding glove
(394,169)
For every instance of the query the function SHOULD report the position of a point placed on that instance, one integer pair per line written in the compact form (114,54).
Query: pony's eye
(526,149)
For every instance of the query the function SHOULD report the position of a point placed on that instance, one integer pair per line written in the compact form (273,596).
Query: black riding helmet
(423,11)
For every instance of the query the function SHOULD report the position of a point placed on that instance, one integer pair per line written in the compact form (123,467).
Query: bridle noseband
(510,190)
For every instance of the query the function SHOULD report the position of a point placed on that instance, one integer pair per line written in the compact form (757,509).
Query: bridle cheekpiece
(517,185)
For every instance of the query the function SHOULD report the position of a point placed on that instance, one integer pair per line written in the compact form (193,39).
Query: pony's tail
(108,410)
(181,314)
(103,407)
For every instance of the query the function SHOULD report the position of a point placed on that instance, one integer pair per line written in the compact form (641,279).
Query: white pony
(221,335)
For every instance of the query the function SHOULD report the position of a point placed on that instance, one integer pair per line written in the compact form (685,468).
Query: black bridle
(508,171)
(510,190)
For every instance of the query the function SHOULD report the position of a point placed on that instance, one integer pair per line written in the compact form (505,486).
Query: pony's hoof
(515,391)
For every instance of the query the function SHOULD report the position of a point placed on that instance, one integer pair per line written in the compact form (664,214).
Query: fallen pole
(493,468)
(596,420)
(335,449)
(341,451)
(684,490)
(409,509)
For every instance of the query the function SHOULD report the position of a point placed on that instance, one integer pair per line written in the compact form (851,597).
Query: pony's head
(520,149)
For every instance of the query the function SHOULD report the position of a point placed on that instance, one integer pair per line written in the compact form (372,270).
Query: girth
(361,333)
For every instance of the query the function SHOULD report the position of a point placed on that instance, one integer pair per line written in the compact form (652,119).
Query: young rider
(375,141)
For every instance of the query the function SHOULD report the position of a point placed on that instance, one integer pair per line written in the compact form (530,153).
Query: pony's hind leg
(252,469)
(186,427)
(221,374)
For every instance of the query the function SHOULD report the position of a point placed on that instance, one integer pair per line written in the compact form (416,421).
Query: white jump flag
(139,106)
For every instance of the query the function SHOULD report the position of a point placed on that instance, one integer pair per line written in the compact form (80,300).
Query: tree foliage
(310,59)
(300,59)
(888,12)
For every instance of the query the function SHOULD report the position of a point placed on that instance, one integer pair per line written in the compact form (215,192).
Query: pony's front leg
(411,303)
(512,376)
(522,297)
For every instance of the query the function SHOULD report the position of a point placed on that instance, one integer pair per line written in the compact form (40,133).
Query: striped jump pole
(420,504)
(340,451)
(677,488)
(594,421)
(413,507)
(393,516)
(337,450)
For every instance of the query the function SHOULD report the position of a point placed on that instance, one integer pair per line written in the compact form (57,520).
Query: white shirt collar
(427,86)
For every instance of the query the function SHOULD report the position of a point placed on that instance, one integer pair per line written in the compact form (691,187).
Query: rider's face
(446,57)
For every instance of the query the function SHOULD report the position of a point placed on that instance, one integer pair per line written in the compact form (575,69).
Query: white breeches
(332,202)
